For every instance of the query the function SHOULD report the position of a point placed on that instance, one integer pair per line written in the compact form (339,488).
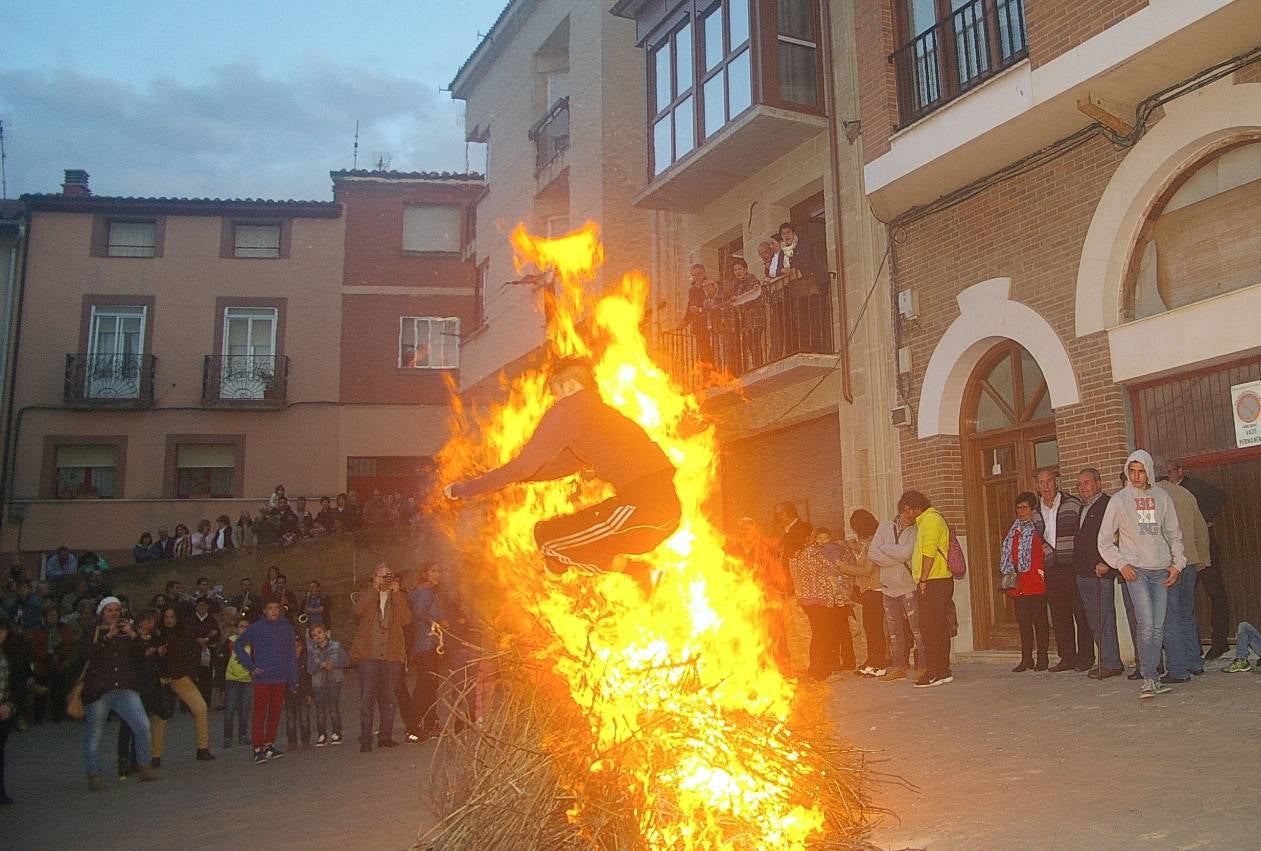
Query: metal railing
(99,380)
(550,135)
(245,380)
(968,46)
(788,318)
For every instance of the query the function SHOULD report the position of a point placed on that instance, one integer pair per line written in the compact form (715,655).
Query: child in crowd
(299,700)
(325,660)
(315,608)
(1247,638)
(238,692)
(266,649)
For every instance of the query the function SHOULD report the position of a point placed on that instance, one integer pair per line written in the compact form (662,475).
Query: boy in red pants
(266,650)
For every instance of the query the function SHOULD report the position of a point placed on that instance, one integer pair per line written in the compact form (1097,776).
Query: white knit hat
(105,601)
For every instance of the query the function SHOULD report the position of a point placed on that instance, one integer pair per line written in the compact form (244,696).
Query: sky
(232,99)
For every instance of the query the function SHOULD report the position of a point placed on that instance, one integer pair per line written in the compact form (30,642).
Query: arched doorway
(1009,432)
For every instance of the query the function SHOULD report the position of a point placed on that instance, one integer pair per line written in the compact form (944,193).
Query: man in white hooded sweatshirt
(1140,537)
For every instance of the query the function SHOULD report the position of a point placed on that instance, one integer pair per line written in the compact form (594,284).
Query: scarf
(1026,531)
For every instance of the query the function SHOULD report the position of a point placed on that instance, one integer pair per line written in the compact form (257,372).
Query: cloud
(242,133)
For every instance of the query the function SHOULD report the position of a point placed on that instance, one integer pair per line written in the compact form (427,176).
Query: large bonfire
(626,719)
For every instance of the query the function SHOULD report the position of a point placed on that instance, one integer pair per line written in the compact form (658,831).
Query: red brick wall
(369,368)
(1030,228)
(1057,26)
(877,83)
(374,234)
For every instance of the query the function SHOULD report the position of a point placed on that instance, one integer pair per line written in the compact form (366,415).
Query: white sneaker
(878,672)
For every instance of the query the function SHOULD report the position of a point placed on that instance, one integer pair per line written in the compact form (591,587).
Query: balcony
(745,350)
(109,381)
(550,135)
(245,381)
(962,50)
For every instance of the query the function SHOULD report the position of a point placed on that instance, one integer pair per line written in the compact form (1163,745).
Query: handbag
(74,700)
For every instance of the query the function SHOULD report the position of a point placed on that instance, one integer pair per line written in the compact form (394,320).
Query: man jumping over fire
(581,432)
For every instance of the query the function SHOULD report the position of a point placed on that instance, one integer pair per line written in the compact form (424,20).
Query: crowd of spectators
(257,657)
(745,321)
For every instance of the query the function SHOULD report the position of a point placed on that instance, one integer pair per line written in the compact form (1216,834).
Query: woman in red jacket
(1024,552)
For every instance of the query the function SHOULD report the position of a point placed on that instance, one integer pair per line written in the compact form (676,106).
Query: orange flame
(687,671)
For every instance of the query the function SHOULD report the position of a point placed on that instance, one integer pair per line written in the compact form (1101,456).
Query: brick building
(1072,191)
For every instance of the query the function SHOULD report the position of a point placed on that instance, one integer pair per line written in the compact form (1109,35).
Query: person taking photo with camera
(379,649)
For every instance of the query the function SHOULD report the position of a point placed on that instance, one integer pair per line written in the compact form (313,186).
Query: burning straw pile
(626,720)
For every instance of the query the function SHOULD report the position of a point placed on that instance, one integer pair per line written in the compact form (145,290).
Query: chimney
(76,182)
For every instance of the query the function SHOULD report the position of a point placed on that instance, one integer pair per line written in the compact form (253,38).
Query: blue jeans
(238,699)
(328,709)
(897,610)
(1099,598)
(378,679)
(1129,617)
(1150,598)
(1248,638)
(1182,635)
(126,703)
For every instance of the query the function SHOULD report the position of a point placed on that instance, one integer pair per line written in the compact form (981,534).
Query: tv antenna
(382,161)
(355,163)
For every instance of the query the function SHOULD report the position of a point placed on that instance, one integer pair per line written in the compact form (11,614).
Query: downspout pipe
(11,371)
(834,153)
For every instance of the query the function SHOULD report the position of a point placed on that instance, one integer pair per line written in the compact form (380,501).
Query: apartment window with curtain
(85,471)
(256,241)
(671,91)
(797,49)
(205,470)
(432,228)
(428,342)
(132,239)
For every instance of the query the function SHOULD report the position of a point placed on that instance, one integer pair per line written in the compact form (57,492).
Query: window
(479,295)
(114,364)
(727,89)
(249,368)
(727,253)
(798,49)
(132,239)
(205,470)
(85,471)
(256,240)
(431,227)
(674,120)
(428,342)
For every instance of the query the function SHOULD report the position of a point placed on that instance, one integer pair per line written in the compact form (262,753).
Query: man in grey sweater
(890,550)
(1140,537)
(1182,634)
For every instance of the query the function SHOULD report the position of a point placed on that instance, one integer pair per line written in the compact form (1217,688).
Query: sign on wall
(1245,400)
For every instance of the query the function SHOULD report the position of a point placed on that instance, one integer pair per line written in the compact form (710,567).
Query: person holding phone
(379,649)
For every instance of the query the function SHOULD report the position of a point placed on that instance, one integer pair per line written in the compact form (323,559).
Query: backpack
(955,561)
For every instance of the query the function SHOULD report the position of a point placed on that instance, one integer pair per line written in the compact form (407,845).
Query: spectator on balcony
(694,316)
(61,563)
(326,516)
(183,542)
(277,495)
(801,262)
(145,549)
(203,540)
(356,509)
(749,315)
(343,516)
(221,539)
(165,542)
(713,316)
(774,266)
(245,530)
(90,561)
(299,508)
(766,253)
(266,527)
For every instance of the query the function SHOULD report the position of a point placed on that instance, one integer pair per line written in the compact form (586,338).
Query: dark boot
(1043,662)
(204,755)
(1025,664)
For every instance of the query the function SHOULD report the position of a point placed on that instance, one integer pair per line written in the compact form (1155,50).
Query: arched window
(1010,391)
(1201,238)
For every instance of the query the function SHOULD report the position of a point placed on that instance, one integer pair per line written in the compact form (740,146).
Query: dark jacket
(1067,518)
(149,678)
(805,259)
(797,536)
(1086,546)
(182,653)
(426,610)
(113,663)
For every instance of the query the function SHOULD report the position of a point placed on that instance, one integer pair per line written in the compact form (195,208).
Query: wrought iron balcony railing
(785,318)
(550,135)
(963,49)
(108,380)
(246,380)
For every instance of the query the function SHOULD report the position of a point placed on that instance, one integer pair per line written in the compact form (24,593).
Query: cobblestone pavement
(326,798)
(1057,761)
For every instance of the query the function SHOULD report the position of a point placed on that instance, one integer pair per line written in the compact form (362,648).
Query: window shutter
(431,228)
(87,455)
(197,455)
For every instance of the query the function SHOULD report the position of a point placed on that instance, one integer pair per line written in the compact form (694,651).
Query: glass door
(115,347)
(249,353)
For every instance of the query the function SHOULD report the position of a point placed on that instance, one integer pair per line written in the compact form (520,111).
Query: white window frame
(256,252)
(440,329)
(131,249)
(114,374)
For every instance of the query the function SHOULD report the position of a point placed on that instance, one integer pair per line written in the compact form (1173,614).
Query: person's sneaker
(260,756)
(322,741)
(1161,688)
(336,740)
(413,738)
(893,674)
(386,743)
(1147,690)
(866,671)
(204,755)
(1237,666)
(877,673)
(928,681)
(271,752)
